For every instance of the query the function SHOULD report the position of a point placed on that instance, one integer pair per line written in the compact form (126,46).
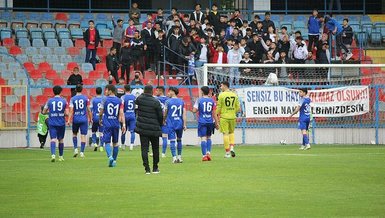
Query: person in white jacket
(234,56)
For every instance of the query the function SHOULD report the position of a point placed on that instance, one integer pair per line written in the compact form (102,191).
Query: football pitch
(326,181)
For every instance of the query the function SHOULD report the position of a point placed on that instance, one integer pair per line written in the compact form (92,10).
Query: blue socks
(204,147)
(305,139)
(108,149)
(132,137)
(61,149)
(53,147)
(179,146)
(172,148)
(82,146)
(209,143)
(164,145)
(115,152)
(93,137)
(75,141)
(123,138)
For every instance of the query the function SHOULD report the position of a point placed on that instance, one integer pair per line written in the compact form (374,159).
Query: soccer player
(79,115)
(206,108)
(95,106)
(110,116)
(56,108)
(227,108)
(162,98)
(128,101)
(175,120)
(303,108)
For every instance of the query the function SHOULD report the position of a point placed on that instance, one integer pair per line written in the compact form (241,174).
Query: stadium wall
(251,137)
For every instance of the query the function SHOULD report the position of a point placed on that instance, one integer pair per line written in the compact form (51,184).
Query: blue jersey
(128,101)
(332,24)
(95,106)
(304,111)
(56,106)
(174,113)
(205,108)
(79,103)
(111,106)
(162,99)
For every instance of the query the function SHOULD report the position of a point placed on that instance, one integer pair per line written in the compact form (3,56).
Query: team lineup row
(149,116)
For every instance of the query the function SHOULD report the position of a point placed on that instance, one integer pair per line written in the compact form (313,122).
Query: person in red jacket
(219,57)
(92,38)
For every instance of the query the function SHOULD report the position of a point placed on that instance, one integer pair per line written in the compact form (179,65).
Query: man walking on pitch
(175,119)
(56,107)
(304,110)
(128,100)
(148,126)
(95,106)
(162,99)
(110,116)
(227,108)
(206,108)
(79,114)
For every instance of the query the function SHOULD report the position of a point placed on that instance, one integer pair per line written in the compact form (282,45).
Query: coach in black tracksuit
(148,126)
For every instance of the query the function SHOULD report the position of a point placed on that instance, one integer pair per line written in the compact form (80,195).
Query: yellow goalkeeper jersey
(228,105)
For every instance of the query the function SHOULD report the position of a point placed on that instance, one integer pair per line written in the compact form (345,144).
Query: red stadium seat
(65,74)
(88,82)
(101,67)
(184,92)
(150,74)
(15,50)
(172,82)
(107,43)
(44,67)
(19,107)
(35,107)
(79,43)
(6,91)
(8,42)
(94,75)
(42,99)
(24,99)
(29,66)
(58,82)
(72,65)
(195,92)
(35,74)
(101,52)
(73,51)
(2,81)
(66,92)
(61,16)
(51,75)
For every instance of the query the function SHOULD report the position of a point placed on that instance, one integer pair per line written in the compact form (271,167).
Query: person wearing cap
(148,126)
(117,35)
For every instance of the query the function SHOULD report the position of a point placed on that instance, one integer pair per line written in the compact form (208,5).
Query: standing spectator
(222,25)
(244,27)
(137,48)
(159,45)
(267,22)
(256,49)
(214,16)
(300,55)
(74,79)
(337,30)
(174,42)
(234,56)
(283,33)
(237,18)
(320,44)
(130,31)
(160,19)
(246,71)
(254,23)
(284,44)
(283,59)
(148,126)
(203,53)
(231,28)
(347,36)
(134,13)
(112,65)
(148,37)
(186,52)
(323,54)
(92,38)
(197,15)
(117,35)
(125,60)
(313,25)
(235,36)
(259,30)
(149,20)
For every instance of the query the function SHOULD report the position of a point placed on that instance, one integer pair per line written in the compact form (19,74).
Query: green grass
(261,181)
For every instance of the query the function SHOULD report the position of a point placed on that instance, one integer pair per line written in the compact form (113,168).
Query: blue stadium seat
(34,16)
(302,18)
(52,59)
(84,25)
(38,43)
(65,59)
(76,33)
(101,24)
(367,27)
(52,43)
(47,17)
(7,74)
(3,50)
(24,43)
(22,58)
(375,37)
(20,16)
(299,24)
(288,18)
(66,43)
(35,92)
(355,26)
(5,32)
(105,34)
(46,51)
(49,33)
(7,59)
(87,67)
(353,18)
(21,74)
(275,18)
(11,99)
(88,17)
(20,91)
(102,16)
(58,67)
(63,33)
(43,82)
(125,25)
(79,59)
(75,16)
(31,51)
(339,18)
(14,66)
(37,59)
(36,33)
(21,33)
(59,51)
(380,26)
(31,24)
(101,82)
(5,15)
(13,82)
(366,18)
(362,38)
